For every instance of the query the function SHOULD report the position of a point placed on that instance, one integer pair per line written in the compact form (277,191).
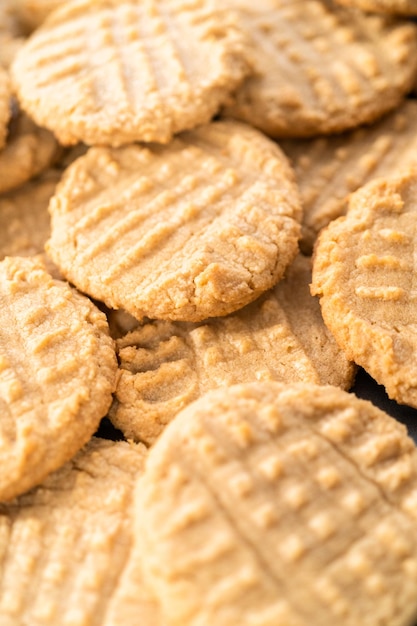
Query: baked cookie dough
(192,230)
(321,68)
(365,274)
(164,366)
(329,168)
(65,544)
(281,504)
(116,71)
(57,373)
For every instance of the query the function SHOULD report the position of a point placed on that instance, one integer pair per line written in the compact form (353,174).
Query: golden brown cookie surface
(282,505)
(364,272)
(64,545)
(192,230)
(166,365)
(57,373)
(112,72)
(329,168)
(321,68)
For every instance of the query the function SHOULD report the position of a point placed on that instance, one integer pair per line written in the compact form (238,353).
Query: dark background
(365,387)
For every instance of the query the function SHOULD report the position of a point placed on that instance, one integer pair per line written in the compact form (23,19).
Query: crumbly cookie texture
(112,72)
(281,504)
(192,230)
(29,151)
(164,366)
(329,168)
(321,68)
(57,373)
(396,7)
(364,272)
(64,545)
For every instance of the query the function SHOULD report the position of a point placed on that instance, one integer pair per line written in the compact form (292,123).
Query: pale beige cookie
(112,72)
(57,373)
(364,273)
(321,68)
(29,150)
(328,169)
(5,105)
(166,365)
(188,231)
(65,545)
(276,504)
(398,7)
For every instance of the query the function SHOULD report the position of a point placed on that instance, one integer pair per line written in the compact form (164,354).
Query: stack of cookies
(207,226)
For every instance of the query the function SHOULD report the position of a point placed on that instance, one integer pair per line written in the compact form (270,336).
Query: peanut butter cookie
(65,544)
(364,272)
(192,230)
(321,68)
(112,72)
(57,373)
(329,168)
(166,365)
(281,504)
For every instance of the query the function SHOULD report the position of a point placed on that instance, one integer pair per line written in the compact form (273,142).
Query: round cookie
(57,373)
(192,230)
(164,366)
(65,545)
(321,68)
(329,168)
(364,273)
(399,7)
(112,72)
(275,504)
(29,150)
(5,105)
